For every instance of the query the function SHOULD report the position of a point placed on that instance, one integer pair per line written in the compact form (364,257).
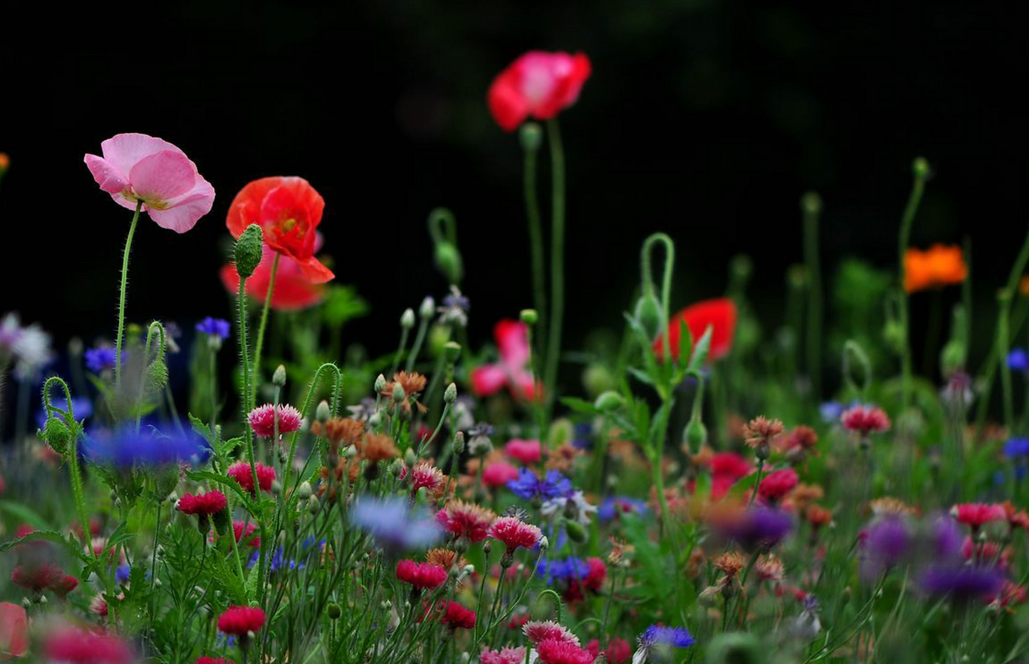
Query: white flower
(576,508)
(28,346)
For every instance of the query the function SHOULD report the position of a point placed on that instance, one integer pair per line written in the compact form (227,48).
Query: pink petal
(513,343)
(184,212)
(124,150)
(107,176)
(488,379)
(163,176)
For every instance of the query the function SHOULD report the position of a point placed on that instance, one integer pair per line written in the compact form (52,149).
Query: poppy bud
(322,412)
(575,531)
(920,167)
(380,383)
(157,375)
(530,136)
(450,394)
(407,319)
(334,611)
(597,378)
(648,315)
(249,249)
(448,261)
(279,377)
(451,351)
(893,335)
(56,434)
(428,307)
(529,316)
(609,401)
(952,358)
(695,435)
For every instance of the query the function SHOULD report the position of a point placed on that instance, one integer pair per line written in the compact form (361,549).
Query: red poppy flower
(288,210)
(719,313)
(293,289)
(537,85)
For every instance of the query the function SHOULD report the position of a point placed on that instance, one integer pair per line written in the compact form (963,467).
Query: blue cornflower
(1016,447)
(393,525)
(125,447)
(528,486)
(569,569)
(102,359)
(615,505)
(278,561)
(216,327)
(121,574)
(1018,360)
(82,406)
(583,436)
(677,637)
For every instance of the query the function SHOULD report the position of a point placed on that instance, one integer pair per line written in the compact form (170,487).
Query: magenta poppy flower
(512,339)
(537,85)
(137,167)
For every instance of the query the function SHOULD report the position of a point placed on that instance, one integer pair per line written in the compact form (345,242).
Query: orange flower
(940,265)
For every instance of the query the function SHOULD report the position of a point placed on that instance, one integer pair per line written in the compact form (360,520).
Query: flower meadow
(713,488)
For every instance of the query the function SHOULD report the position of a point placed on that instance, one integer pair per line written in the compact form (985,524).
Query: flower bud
(56,434)
(450,394)
(380,383)
(811,203)
(334,611)
(952,357)
(374,420)
(410,457)
(576,532)
(167,479)
(920,167)
(609,401)
(398,393)
(350,452)
(648,315)
(313,504)
(459,442)
(322,413)
(448,261)
(529,316)
(597,378)
(695,435)
(249,249)
(451,351)
(544,543)
(157,375)
(304,491)
(407,319)
(530,136)
(279,377)
(428,307)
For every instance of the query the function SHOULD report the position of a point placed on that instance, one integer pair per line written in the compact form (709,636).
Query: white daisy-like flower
(576,508)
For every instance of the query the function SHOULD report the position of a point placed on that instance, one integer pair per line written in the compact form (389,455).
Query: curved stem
(666,278)
(259,344)
(557,261)
(907,220)
(121,295)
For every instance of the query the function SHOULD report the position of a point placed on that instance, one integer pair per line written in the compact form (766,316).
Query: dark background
(707,119)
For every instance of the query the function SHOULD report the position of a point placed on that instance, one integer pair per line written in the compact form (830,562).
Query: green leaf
(701,350)
(580,406)
(203,430)
(251,587)
(24,514)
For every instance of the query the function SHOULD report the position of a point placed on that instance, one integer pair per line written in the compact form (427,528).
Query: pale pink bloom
(504,656)
(512,339)
(514,533)
(865,420)
(262,420)
(526,451)
(137,167)
(548,630)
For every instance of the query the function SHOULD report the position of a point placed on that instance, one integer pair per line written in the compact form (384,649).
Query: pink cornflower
(498,474)
(548,630)
(512,339)
(514,533)
(64,585)
(466,520)
(262,419)
(36,578)
(777,484)
(503,656)
(137,167)
(456,616)
(426,476)
(421,575)
(553,651)
(976,515)
(240,620)
(526,451)
(203,504)
(76,646)
(538,85)
(865,420)
(244,475)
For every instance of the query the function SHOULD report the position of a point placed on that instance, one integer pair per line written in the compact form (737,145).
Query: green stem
(921,170)
(812,207)
(72,456)
(259,344)
(244,351)
(416,348)
(121,295)
(1003,341)
(557,262)
(666,280)
(532,212)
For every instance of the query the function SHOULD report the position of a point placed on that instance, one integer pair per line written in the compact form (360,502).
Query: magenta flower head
(139,168)
(263,419)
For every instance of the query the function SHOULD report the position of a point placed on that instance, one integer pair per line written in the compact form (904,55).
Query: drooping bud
(648,315)
(695,435)
(222,522)
(249,249)
(157,375)
(56,434)
(448,261)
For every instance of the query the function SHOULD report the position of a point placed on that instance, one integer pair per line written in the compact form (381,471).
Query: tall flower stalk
(557,262)
(920,169)
(811,205)
(121,294)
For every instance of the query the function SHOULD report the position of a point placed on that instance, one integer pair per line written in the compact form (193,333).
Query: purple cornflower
(1016,447)
(125,447)
(570,568)
(215,327)
(528,486)
(886,543)
(615,505)
(393,525)
(758,527)
(962,583)
(1018,360)
(102,359)
(455,309)
(677,637)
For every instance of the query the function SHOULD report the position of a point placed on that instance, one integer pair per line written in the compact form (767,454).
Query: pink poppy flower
(526,451)
(14,630)
(137,167)
(537,85)
(512,339)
